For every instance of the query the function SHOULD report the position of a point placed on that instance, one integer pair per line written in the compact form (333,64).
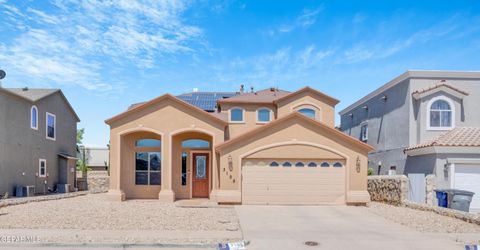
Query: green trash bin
(459,199)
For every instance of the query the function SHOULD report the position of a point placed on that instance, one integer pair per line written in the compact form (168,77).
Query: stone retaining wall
(98,181)
(388,189)
(430,186)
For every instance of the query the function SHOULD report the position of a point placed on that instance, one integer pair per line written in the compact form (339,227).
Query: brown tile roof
(457,137)
(438,85)
(262,96)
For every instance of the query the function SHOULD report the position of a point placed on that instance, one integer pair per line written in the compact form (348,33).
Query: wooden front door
(201,175)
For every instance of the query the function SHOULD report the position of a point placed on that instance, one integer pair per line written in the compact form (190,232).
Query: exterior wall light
(384,98)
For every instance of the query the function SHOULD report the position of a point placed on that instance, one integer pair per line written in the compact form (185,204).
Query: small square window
(364,133)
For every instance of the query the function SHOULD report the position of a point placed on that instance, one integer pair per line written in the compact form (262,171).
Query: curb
(115,245)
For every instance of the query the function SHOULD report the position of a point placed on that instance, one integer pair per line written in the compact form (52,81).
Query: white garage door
(292,182)
(467,177)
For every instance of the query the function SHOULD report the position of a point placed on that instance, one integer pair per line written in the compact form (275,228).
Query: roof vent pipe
(242,89)
(251,89)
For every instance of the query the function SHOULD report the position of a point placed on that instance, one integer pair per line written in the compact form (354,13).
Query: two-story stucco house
(37,140)
(264,147)
(423,122)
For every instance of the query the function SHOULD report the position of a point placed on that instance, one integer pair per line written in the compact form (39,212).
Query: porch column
(115,192)
(166,193)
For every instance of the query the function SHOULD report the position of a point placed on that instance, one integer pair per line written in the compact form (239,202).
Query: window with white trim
(364,132)
(287,164)
(312,165)
(237,115)
(337,165)
(441,114)
(299,164)
(263,115)
(34,117)
(51,126)
(274,164)
(42,168)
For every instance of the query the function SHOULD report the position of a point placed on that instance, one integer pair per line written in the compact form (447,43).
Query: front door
(200,178)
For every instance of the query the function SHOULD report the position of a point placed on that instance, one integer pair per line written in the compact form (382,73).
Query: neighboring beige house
(264,147)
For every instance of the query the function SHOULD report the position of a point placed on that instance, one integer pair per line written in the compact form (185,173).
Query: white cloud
(307,18)
(77,40)
(266,70)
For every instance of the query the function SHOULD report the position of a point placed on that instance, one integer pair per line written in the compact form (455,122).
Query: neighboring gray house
(423,122)
(37,140)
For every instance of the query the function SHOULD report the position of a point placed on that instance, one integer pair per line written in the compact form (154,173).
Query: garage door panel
(467,177)
(292,185)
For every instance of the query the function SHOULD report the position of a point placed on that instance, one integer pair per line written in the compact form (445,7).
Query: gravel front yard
(423,221)
(93,212)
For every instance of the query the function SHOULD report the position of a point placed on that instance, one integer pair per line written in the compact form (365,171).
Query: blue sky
(106,55)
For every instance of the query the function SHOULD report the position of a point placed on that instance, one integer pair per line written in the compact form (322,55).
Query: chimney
(242,89)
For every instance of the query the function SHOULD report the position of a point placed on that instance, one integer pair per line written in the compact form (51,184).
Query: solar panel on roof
(205,101)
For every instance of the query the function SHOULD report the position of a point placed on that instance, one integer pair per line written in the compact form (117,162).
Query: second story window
(263,115)
(308,112)
(440,115)
(237,115)
(51,126)
(34,117)
(364,133)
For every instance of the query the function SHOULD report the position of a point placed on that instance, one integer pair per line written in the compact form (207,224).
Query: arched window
(195,143)
(312,165)
(299,164)
(325,165)
(441,114)
(237,115)
(308,112)
(274,164)
(263,115)
(148,143)
(34,117)
(287,164)
(337,165)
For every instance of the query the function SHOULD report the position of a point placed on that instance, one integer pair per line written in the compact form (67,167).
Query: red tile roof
(457,137)
(438,85)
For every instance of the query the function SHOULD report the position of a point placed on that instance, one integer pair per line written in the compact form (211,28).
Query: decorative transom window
(195,143)
(263,115)
(312,165)
(325,165)
(337,165)
(42,168)
(287,164)
(148,167)
(51,126)
(274,164)
(148,143)
(34,117)
(307,112)
(237,115)
(441,114)
(299,164)
(364,132)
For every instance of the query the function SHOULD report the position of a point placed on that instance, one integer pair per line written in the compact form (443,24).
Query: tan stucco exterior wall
(165,118)
(236,129)
(326,112)
(295,132)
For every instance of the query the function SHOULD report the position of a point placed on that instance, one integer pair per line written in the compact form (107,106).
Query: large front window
(440,115)
(51,126)
(148,168)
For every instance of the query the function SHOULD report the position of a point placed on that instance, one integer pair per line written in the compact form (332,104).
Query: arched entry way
(192,164)
(141,164)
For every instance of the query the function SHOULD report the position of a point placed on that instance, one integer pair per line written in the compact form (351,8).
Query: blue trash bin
(442,198)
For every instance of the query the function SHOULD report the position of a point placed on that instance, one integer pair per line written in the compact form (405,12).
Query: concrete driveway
(335,227)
